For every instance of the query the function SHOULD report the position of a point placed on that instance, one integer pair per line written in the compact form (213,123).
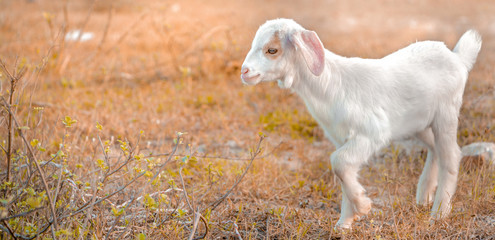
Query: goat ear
(308,43)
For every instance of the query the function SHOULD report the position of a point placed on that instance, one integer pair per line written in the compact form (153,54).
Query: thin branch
(203,39)
(35,160)
(221,157)
(393,215)
(86,20)
(206,228)
(3,149)
(177,142)
(195,225)
(57,190)
(254,154)
(89,204)
(128,30)
(197,215)
(126,227)
(151,195)
(117,220)
(37,234)
(92,203)
(86,206)
(23,214)
(184,188)
(13,82)
(107,26)
(129,158)
(9,230)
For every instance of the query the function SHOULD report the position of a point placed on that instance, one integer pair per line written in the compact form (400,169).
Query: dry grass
(155,68)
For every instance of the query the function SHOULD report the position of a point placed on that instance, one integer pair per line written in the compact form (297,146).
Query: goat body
(363,104)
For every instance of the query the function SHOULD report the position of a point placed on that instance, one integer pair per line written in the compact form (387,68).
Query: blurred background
(190,44)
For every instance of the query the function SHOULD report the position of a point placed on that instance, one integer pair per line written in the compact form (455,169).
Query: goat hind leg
(449,157)
(429,177)
(346,213)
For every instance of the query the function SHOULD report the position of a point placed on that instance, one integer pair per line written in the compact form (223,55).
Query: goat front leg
(346,162)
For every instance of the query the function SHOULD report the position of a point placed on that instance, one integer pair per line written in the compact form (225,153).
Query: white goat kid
(363,104)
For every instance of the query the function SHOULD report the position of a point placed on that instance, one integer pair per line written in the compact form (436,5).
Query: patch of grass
(298,125)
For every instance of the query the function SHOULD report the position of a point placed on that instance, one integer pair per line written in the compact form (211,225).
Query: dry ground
(155,68)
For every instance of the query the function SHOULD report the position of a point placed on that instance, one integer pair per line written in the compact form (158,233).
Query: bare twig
(86,20)
(185,192)
(9,230)
(236,229)
(14,79)
(37,234)
(126,227)
(23,214)
(86,206)
(393,215)
(206,228)
(35,160)
(4,151)
(89,204)
(132,26)
(57,189)
(221,157)
(197,216)
(107,26)
(66,20)
(106,175)
(43,164)
(15,235)
(129,158)
(103,39)
(202,39)
(255,153)
(177,142)
(117,220)
(151,195)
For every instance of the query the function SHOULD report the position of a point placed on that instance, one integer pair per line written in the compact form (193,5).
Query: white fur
(363,104)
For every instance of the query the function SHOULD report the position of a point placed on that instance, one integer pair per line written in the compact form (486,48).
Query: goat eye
(272,50)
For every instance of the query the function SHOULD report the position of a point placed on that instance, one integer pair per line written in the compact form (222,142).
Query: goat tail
(468,47)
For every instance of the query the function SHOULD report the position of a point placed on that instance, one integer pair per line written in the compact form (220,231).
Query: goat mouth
(250,80)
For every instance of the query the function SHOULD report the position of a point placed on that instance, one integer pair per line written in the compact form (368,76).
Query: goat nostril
(244,70)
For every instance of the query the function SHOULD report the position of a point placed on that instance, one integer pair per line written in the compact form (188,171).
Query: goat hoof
(425,199)
(342,227)
(363,208)
(343,224)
